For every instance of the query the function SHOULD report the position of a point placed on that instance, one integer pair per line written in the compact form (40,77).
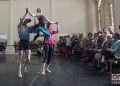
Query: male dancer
(24,46)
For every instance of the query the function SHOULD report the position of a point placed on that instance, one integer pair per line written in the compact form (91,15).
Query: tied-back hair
(27,20)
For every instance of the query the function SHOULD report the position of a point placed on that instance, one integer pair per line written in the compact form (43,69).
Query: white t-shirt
(68,41)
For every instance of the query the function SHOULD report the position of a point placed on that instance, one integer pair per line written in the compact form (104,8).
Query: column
(92,15)
(116,14)
(10,48)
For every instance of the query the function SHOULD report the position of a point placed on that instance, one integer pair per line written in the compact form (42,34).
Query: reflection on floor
(65,72)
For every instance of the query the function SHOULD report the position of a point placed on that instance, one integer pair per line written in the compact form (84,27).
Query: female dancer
(40,21)
(48,48)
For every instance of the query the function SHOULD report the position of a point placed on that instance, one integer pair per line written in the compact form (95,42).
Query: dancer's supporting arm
(56,31)
(30,12)
(22,19)
(49,21)
(57,28)
(36,21)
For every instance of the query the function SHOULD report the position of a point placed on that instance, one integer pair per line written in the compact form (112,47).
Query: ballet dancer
(48,48)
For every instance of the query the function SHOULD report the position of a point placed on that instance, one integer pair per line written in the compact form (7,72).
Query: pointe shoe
(48,70)
(43,73)
(20,75)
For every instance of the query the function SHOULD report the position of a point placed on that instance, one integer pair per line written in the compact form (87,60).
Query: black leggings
(48,51)
(108,54)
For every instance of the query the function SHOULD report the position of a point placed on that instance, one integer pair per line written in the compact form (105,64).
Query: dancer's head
(90,35)
(48,25)
(38,10)
(26,21)
(116,36)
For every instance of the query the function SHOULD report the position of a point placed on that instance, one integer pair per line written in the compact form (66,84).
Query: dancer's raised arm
(22,19)
(31,13)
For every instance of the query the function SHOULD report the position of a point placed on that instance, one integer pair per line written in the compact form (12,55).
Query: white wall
(73,15)
(4,17)
(116,9)
(92,16)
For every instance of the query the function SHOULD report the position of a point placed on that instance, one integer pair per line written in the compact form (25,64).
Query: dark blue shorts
(24,45)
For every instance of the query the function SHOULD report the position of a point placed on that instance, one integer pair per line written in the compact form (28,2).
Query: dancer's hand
(56,22)
(27,10)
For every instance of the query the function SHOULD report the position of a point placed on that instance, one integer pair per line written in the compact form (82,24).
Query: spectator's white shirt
(68,41)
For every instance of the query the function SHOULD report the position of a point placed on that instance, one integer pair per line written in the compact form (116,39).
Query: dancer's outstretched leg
(36,29)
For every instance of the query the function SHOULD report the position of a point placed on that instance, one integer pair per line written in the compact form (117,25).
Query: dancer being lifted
(40,22)
(48,48)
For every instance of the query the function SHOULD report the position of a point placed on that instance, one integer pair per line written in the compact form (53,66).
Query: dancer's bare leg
(20,61)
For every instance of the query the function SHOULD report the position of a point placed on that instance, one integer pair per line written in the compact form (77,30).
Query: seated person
(115,48)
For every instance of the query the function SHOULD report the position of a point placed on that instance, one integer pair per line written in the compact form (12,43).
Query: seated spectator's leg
(90,55)
(97,58)
(109,56)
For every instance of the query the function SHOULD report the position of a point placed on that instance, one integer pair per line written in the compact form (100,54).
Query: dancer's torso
(41,20)
(50,40)
(24,33)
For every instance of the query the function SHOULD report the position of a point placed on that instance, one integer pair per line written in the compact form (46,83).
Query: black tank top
(42,20)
